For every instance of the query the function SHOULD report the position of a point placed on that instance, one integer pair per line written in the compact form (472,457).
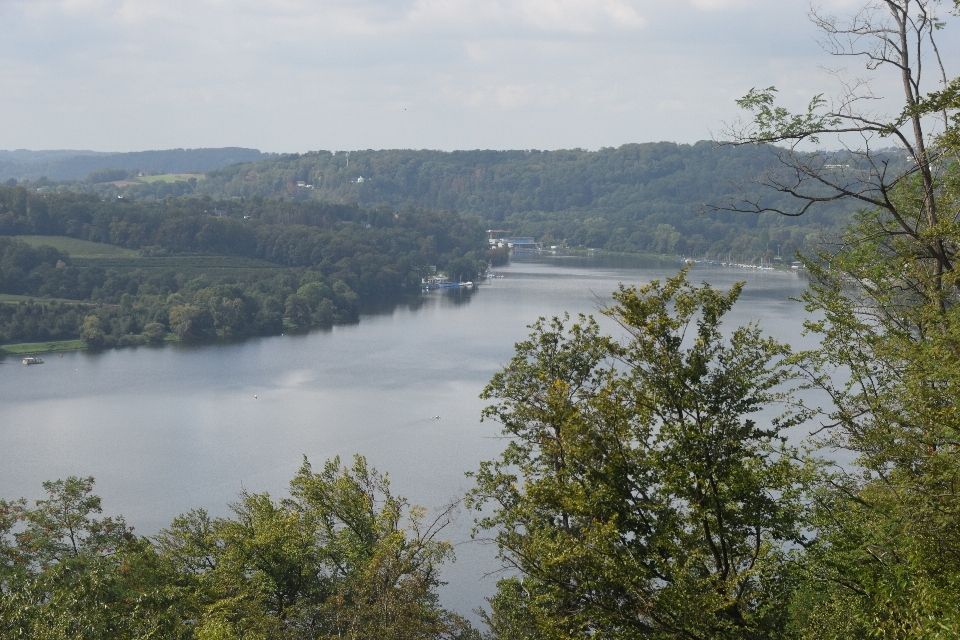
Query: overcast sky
(297,75)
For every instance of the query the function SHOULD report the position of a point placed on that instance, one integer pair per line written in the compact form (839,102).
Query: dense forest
(288,222)
(638,197)
(203,267)
(634,198)
(342,557)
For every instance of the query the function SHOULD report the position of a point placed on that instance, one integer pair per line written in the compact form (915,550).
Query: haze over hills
(632,178)
(634,198)
(637,197)
(67,164)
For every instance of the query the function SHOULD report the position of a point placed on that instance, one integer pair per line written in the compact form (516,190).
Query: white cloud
(370,17)
(299,74)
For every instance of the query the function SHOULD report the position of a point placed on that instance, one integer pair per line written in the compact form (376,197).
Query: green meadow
(80,248)
(42,347)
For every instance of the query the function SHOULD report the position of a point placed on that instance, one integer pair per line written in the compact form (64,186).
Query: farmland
(112,272)
(80,248)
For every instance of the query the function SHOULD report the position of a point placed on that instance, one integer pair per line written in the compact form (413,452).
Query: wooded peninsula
(246,248)
(201,268)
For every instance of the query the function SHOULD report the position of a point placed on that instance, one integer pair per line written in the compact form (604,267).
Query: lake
(166,429)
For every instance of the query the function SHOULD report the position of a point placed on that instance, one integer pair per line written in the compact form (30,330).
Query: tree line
(635,198)
(306,263)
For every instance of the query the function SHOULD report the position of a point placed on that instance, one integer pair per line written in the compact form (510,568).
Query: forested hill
(74,165)
(635,198)
(638,197)
(118,272)
(636,179)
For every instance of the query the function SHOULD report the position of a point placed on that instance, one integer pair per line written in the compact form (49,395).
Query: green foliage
(635,497)
(91,332)
(69,574)
(255,258)
(884,300)
(340,558)
(885,561)
(154,332)
(333,560)
(106,175)
(637,197)
(190,321)
(776,123)
(619,199)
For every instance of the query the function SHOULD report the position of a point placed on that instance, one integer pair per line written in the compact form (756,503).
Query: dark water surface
(167,429)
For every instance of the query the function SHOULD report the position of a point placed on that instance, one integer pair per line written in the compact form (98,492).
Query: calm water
(167,429)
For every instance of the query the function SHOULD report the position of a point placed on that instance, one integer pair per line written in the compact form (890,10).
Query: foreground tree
(895,35)
(884,561)
(341,558)
(68,573)
(635,497)
(332,561)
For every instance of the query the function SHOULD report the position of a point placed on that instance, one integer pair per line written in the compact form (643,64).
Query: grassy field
(170,177)
(107,256)
(42,347)
(80,248)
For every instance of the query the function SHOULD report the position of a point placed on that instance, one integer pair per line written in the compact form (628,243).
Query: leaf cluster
(341,557)
(635,495)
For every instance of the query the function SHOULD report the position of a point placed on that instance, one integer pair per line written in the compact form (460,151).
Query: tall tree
(884,561)
(69,574)
(635,496)
(898,36)
(341,558)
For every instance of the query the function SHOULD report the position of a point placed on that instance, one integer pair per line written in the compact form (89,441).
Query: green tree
(332,561)
(69,574)
(635,497)
(883,562)
(154,332)
(314,292)
(191,321)
(298,310)
(92,331)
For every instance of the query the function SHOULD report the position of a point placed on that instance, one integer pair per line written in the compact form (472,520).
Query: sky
(298,75)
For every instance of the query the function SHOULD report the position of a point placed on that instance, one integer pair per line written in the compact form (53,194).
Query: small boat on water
(32,360)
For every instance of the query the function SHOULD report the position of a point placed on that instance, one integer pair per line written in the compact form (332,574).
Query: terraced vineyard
(79,248)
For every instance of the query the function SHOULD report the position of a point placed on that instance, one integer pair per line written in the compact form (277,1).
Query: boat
(32,360)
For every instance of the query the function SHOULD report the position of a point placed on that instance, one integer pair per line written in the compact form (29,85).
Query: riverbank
(31,348)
